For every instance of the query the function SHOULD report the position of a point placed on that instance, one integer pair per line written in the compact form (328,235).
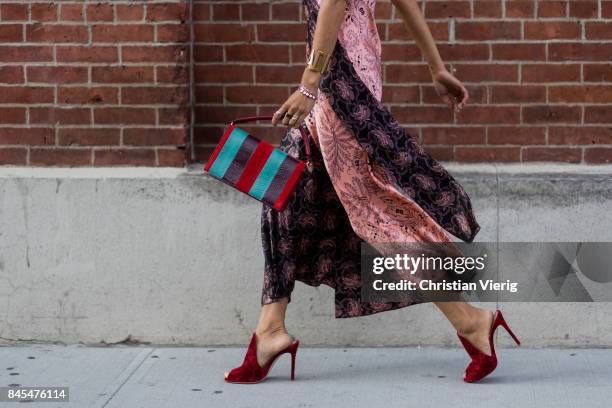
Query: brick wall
(539,74)
(110,82)
(94,83)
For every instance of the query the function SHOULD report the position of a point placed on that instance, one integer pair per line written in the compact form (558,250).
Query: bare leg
(471,322)
(271,333)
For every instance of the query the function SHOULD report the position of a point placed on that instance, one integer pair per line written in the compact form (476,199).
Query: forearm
(416,25)
(330,17)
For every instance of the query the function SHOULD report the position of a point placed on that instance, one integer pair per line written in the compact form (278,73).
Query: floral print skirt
(370,181)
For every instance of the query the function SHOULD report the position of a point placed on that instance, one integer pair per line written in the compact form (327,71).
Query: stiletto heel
(505,326)
(483,364)
(293,352)
(250,372)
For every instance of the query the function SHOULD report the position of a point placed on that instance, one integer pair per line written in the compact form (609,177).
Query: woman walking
(370,181)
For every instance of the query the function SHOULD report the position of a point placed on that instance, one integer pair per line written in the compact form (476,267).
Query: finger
(287,121)
(280,111)
(299,120)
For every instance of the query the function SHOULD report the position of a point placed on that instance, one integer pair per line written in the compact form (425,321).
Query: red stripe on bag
(219,147)
(282,200)
(254,166)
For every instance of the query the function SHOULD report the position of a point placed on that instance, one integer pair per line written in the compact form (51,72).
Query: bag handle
(302,128)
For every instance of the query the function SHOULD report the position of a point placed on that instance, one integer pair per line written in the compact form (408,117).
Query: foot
(477,332)
(269,343)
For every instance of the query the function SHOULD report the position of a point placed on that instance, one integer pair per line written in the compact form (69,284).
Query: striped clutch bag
(255,167)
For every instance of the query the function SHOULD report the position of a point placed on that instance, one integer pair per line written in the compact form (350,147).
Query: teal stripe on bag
(265,177)
(228,152)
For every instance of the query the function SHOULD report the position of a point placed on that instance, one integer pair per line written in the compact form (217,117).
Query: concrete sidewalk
(183,377)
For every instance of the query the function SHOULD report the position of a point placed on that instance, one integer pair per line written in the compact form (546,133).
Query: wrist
(436,69)
(311,79)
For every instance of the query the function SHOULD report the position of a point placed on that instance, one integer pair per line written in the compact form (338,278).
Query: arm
(448,87)
(329,19)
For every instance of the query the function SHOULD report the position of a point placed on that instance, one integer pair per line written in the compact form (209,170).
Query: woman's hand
(294,110)
(450,89)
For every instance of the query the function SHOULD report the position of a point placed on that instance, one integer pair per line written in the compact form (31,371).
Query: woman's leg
(471,322)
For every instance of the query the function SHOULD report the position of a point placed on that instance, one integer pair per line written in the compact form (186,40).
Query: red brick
(462,52)
(116,157)
(487,72)
(598,114)
(65,157)
(549,8)
(579,51)
(289,12)
(89,54)
(406,73)
(598,30)
(154,95)
(25,53)
(476,30)
(222,33)
(579,135)
(14,156)
(515,94)
(512,135)
(397,31)
(172,33)
(31,136)
(225,11)
(260,53)
(276,32)
(57,75)
(520,9)
(60,116)
(154,137)
(14,11)
(598,72)
(122,74)
(56,33)
(583,8)
(539,73)
(172,157)
(454,135)
(555,154)
(448,9)
(606,9)
(11,33)
(519,52)
(11,75)
(494,115)
(167,11)
(158,53)
(176,74)
(124,116)
(44,11)
(201,11)
(129,12)
(551,114)
(227,73)
(550,30)
(487,154)
(100,12)
(26,94)
(113,33)
(72,12)
(580,94)
(252,12)
(487,8)
(89,136)
(88,95)
(598,155)
(12,115)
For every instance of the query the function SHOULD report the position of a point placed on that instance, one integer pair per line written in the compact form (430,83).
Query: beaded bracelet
(306,92)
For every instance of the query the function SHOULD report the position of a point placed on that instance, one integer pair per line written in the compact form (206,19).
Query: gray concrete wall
(169,256)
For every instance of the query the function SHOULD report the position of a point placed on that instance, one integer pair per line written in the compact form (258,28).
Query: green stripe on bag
(265,177)
(228,153)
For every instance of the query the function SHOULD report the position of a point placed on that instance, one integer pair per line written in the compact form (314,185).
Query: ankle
(270,330)
(476,321)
